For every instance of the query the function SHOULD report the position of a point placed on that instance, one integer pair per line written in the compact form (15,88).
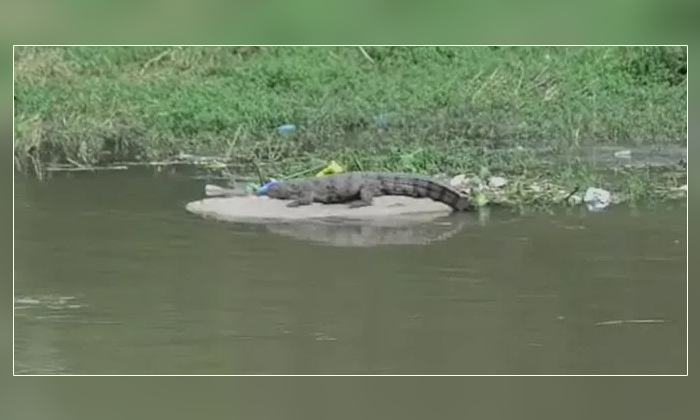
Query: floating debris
(679,192)
(596,199)
(632,321)
(47,301)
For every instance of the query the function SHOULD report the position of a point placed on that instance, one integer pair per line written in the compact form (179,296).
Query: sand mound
(254,209)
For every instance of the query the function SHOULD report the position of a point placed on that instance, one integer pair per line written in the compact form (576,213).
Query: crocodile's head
(280,190)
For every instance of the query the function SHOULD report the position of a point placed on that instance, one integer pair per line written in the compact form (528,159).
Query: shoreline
(279,111)
(534,190)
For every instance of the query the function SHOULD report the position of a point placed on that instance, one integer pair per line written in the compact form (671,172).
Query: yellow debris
(332,168)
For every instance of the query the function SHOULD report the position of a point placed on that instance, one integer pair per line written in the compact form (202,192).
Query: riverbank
(426,109)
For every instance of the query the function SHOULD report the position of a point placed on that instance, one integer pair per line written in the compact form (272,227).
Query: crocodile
(359,188)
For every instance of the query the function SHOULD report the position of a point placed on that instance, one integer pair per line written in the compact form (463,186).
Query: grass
(416,109)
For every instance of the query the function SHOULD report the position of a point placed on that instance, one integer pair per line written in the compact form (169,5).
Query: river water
(112,276)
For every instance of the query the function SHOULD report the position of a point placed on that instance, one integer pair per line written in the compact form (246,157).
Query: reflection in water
(113,276)
(413,230)
(342,233)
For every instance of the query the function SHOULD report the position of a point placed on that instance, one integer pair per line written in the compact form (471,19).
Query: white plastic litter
(458,180)
(286,128)
(497,182)
(575,199)
(623,154)
(597,199)
(475,184)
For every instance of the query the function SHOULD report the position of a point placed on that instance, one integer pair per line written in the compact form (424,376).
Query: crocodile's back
(351,186)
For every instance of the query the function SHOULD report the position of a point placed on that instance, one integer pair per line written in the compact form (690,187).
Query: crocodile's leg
(367,193)
(305,199)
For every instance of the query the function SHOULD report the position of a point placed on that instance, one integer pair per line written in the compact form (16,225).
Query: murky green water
(112,276)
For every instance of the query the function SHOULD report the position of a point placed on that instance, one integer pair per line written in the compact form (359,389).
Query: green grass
(448,109)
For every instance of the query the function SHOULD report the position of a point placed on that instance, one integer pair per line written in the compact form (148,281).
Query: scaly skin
(359,188)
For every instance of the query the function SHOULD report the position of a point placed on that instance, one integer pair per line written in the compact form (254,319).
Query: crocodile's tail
(211,190)
(423,187)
